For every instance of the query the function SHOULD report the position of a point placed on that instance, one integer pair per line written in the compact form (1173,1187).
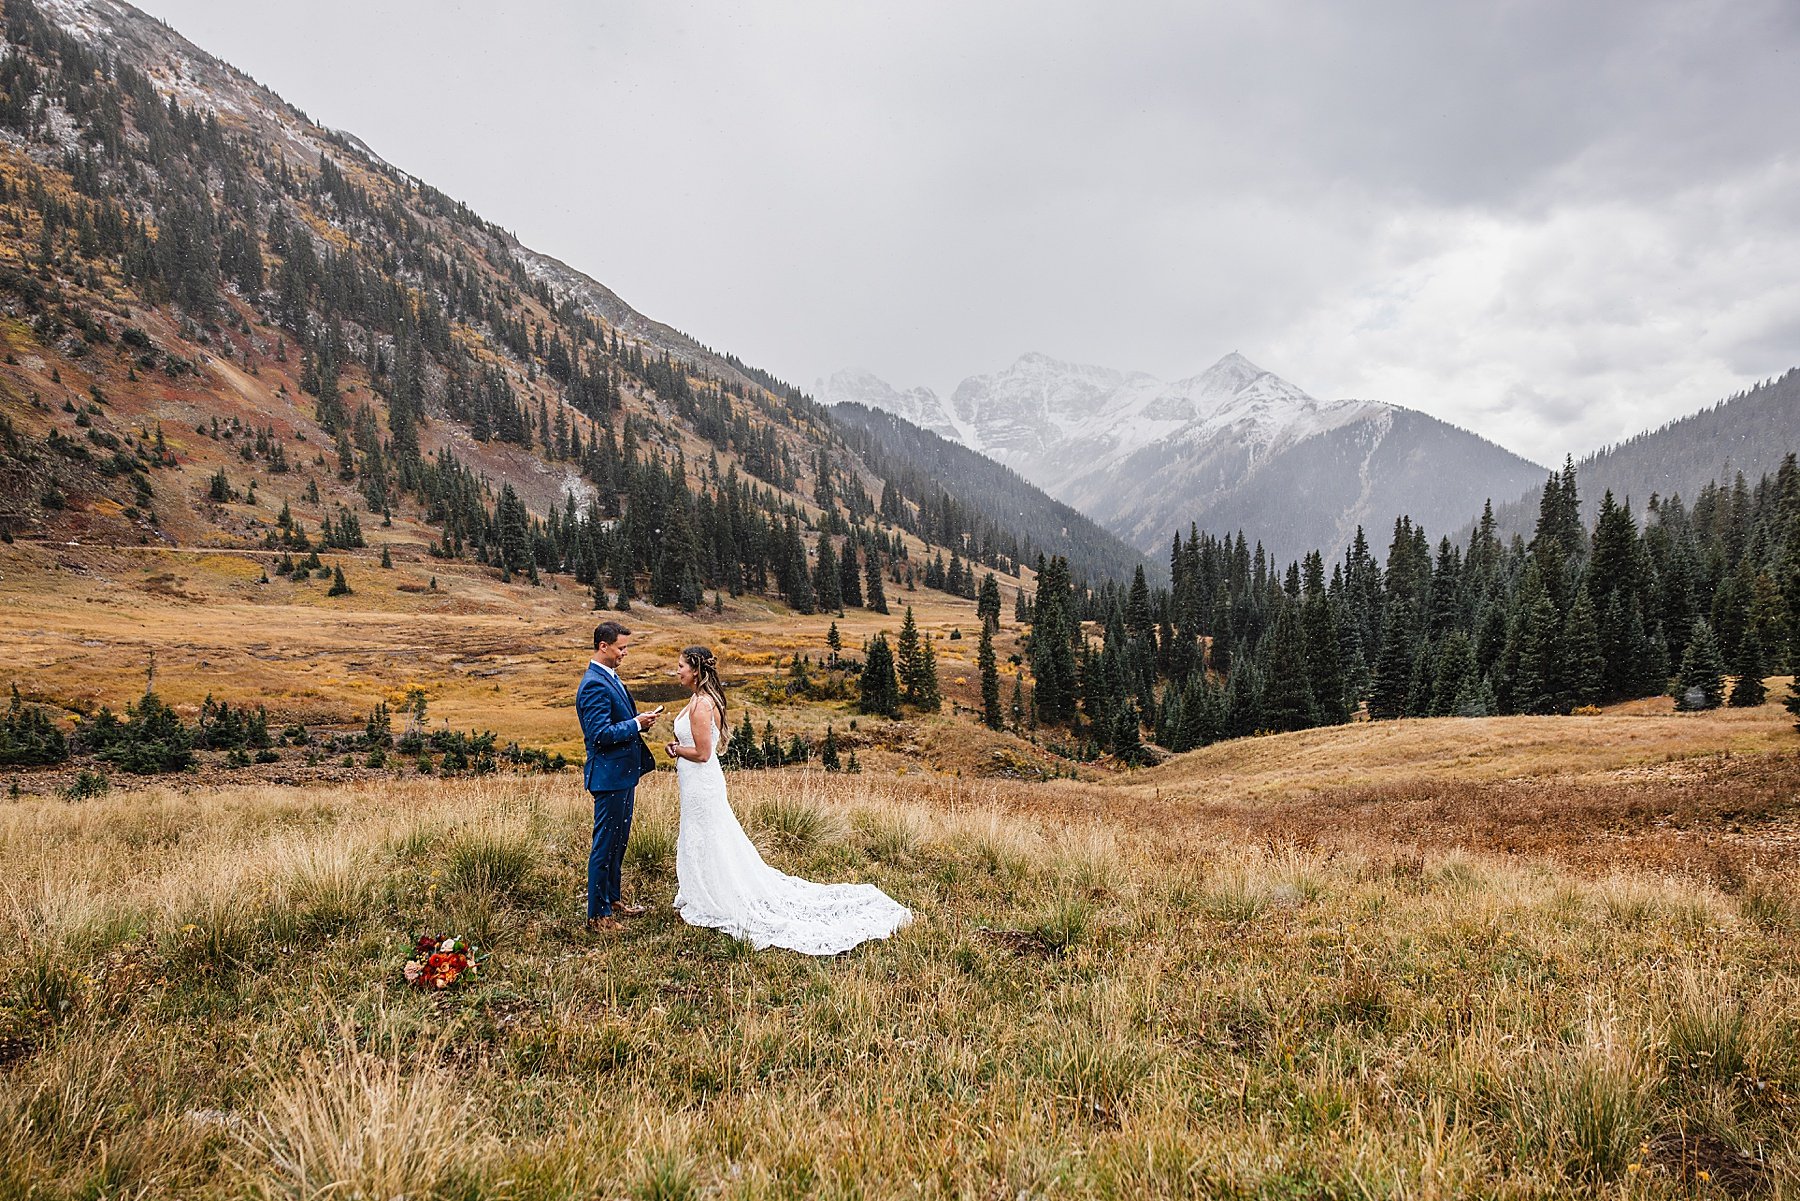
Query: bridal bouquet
(441,960)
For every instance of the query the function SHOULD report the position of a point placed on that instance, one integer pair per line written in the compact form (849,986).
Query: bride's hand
(671,749)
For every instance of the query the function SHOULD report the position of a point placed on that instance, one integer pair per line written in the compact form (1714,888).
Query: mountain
(921,460)
(1234,447)
(1749,433)
(917,406)
(227,325)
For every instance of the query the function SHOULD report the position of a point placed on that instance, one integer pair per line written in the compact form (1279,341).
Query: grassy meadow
(1172,985)
(82,622)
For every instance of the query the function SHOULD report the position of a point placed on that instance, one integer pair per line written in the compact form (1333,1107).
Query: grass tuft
(358,1127)
(794,823)
(494,861)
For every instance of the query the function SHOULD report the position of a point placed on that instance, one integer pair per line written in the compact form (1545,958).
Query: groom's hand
(646,720)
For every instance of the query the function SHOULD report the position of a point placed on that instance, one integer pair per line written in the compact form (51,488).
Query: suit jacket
(616,751)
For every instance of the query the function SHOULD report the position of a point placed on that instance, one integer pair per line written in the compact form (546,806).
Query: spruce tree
(1701,682)
(1393,672)
(339,586)
(880,692)
(1288,702)
(926,692)
(1054,633)
(827,585)
(1538,687)
(1749,691)
(908,653)
(850,589)
(1016,709)
(1584,665)
(875,597)
(990,679)
(835,641)
(1324,657)
(828,751)
(1138,620)
(988,606)
(771,745)
(1455,675)
(671,578)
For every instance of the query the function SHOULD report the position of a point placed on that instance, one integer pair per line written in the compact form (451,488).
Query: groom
(617,755)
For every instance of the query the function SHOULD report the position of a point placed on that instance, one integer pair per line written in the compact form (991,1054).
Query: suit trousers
(606,857)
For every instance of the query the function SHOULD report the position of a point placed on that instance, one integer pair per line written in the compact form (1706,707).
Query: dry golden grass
(81,623)
(1093,1002)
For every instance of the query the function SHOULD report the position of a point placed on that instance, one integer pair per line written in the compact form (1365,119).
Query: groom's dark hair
(608,632)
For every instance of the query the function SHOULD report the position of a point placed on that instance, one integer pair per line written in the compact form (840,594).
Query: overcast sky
(1554,223)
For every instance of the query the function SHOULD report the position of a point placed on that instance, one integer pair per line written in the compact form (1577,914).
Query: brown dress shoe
(602,925)
(621,909)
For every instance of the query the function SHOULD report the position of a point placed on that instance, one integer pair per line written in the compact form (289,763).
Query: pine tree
(908,654)
(1324,657)
(1394,670)
(1749,691)
(741,750)
(990,678)
(1016,708)
(771,745)
(988,606)
(1054,633)
(1701,682)
(850,591)
(1538,687)
(835,641)
(880,691)
(926,692)
(875,597)
(1288,702)
(1138,621)
(1584,665)
(387,560)
(339,586)
(673,578)
(828,751)
(827,591)
(1454,675)
(513,524)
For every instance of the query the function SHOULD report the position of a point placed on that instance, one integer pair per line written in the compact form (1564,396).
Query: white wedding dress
(722,882)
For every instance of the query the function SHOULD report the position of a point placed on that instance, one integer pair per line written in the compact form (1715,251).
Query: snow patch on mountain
(920,405)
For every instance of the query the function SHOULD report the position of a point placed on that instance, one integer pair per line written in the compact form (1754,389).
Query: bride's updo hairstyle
(706,673)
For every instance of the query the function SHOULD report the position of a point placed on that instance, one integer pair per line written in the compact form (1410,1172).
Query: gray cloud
(1555,224)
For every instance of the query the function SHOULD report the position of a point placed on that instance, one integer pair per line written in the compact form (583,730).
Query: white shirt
(603,667)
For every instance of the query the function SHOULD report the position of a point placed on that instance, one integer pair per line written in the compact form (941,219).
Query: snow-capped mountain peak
(1233,442)
(920,405)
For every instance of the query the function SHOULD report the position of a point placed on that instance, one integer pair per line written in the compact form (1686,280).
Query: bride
(721,880)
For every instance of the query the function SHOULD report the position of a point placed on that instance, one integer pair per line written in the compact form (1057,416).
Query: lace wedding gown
(722,882)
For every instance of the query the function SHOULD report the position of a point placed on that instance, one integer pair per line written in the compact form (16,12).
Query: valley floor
(1295,966)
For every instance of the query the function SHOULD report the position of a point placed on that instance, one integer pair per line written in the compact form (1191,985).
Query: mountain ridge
(1222,447)
(257,328)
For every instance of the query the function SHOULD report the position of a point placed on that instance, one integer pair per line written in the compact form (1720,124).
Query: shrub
(29,737)
(151,740)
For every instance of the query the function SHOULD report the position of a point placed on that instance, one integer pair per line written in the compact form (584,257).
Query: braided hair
(706,672)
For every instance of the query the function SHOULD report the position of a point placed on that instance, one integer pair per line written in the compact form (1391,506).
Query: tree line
(1673,602)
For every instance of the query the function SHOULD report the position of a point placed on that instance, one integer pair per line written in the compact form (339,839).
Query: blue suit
(616,756)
